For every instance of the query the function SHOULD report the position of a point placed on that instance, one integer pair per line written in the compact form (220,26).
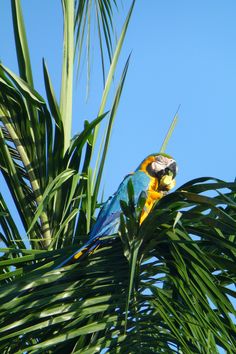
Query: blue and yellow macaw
(154,176)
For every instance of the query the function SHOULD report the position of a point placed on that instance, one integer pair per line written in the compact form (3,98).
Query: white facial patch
(157,166)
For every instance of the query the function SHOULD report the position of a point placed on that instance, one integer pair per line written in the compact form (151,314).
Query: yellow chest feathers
(152,196)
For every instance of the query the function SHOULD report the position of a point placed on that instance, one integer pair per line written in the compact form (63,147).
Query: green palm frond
(21,43)
(37,149)
(179,299)
(99,16)
(42,166)
(163,287)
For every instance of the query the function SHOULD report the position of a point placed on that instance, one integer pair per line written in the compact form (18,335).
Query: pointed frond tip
(170,131)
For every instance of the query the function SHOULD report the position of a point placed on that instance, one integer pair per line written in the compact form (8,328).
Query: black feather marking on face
(164,170)
(154,173)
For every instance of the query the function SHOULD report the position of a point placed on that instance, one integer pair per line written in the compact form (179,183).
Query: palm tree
(164,287)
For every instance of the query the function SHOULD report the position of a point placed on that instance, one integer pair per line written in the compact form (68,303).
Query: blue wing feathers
(85,249)
(111,209)
(108,220)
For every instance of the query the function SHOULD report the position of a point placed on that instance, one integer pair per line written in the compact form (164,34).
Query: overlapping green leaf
(164,287)
(179,300)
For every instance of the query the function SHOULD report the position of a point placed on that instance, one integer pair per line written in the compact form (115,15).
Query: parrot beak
(167,181)
(171,169)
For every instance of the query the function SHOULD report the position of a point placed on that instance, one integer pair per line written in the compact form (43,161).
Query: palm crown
(160,287)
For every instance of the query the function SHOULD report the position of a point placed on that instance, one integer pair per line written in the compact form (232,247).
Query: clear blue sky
(183,52)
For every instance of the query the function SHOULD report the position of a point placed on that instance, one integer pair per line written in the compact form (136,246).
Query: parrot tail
(82,252)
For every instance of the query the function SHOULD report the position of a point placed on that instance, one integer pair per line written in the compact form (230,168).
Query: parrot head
(162,167)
